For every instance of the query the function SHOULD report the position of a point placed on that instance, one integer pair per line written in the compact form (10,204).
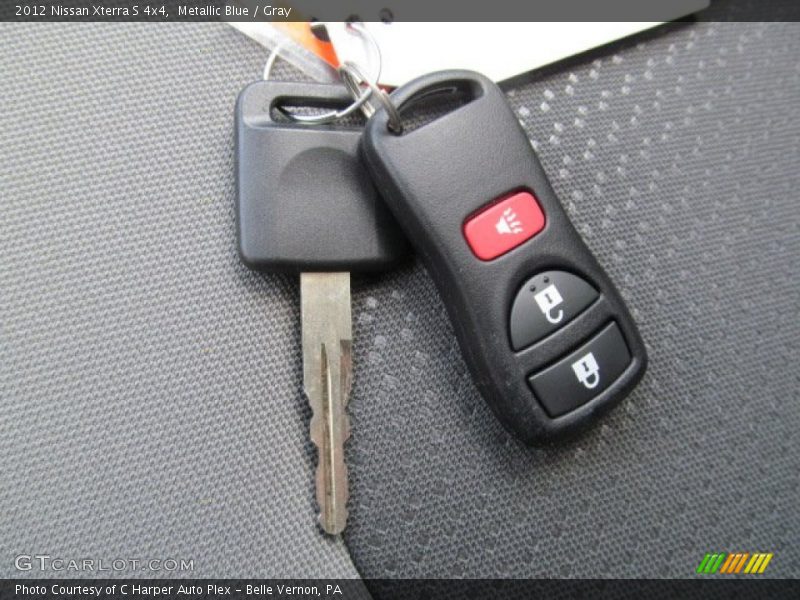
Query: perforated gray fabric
(677,157)
(150,385)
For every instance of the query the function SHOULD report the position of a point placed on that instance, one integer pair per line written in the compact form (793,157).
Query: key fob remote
(544,332)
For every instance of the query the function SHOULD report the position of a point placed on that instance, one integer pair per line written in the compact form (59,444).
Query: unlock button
(582,375)
(545,303)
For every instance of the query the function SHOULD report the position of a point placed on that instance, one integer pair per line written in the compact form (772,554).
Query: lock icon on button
(547,300)
(587,370)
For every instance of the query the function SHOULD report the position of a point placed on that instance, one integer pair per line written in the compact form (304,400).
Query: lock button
(583,374)
(547,302)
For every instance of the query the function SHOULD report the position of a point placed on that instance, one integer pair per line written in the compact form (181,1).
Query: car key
(544,332)
(305,204)
(327,338)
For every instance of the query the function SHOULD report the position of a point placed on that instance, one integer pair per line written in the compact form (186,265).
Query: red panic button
(504,225)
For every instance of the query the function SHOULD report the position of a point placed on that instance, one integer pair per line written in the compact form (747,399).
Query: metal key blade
(327,355)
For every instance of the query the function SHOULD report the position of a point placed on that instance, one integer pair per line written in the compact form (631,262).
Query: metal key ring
(328,117)
(359,98)
(353,79)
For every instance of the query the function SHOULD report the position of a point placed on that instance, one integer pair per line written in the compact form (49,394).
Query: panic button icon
(504,225)
(508,223)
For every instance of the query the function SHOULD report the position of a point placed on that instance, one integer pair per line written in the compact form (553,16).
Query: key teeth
(339,516)
(346,369)
(318,435)
(331,472)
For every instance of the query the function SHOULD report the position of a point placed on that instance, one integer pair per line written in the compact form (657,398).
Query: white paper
(498,50)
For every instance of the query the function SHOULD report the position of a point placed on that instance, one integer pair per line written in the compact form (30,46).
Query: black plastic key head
(304,200)
(544,332)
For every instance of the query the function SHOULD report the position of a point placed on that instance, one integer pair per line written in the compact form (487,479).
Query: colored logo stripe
(710,563)
(727,564)
(758,563)
(734,563)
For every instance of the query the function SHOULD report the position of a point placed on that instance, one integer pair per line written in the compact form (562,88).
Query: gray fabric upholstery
(677,157)
(150,388)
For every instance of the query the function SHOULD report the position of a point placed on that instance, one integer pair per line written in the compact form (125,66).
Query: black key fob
(546,335)
(304,200)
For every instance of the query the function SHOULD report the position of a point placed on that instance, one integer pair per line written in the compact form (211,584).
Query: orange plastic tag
(301,33)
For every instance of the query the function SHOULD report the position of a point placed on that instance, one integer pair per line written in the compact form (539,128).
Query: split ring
(353,79)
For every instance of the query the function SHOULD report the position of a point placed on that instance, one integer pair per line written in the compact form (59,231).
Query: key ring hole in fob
(434,102)
(282,110)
